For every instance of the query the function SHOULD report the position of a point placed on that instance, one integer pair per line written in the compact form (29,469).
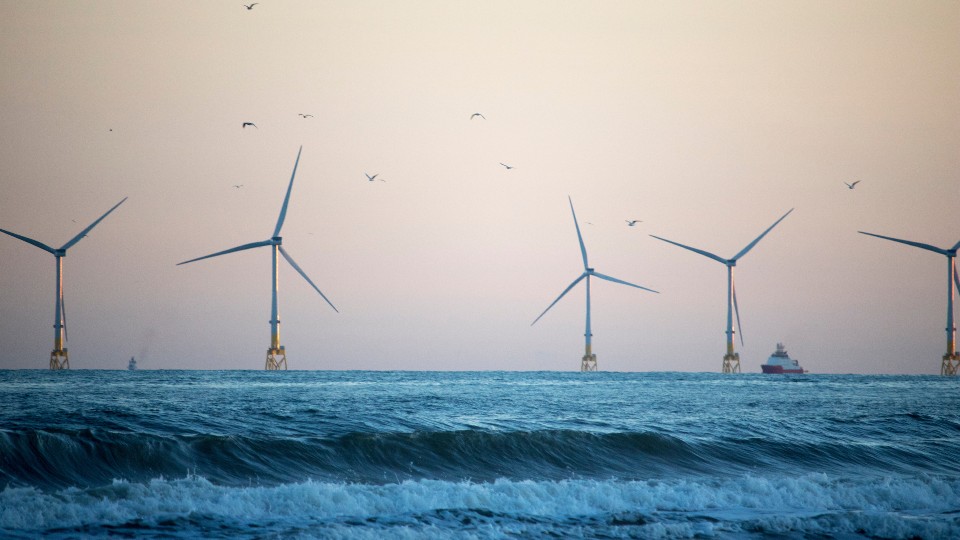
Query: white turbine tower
(951,360)
(276,354)
(731,360)
(59,358)
(589,361)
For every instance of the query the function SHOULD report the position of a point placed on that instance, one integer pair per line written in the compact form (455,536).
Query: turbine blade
(63,309)
(615,280)
(583,249)
(757,239)
(84,232)
(736,309)
(920,245)
(31,241)
(231,250)
(565,291)
(695,250)
(955,247)
(286,200)
(302,273)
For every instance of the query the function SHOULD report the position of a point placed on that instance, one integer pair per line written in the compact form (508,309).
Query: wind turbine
(59,358)
(589,361)
(951,360)
(731,360)
(276,354)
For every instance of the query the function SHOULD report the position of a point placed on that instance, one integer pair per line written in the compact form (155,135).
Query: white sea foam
(812,504)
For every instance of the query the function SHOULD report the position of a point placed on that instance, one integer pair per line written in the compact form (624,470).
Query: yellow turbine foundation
(59,359)
(276,354)
(589,361)
(731,363)
(276,359)
(950,364)
(731,360)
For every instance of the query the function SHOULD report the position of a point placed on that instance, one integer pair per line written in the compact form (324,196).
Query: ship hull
(778,369)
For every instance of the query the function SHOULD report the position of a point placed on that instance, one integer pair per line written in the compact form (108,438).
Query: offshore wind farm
(412,257)
(454,253)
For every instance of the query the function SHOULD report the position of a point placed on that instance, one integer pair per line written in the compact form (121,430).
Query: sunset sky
(705,120)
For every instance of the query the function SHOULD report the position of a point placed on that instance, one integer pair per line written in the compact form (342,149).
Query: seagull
(305,115)
(853,184)
(477,114)
(507,166)
(250,6)
(632,222)
(245,124)
(371,178)
(238,186)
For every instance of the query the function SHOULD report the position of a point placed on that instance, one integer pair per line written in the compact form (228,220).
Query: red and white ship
(780,362)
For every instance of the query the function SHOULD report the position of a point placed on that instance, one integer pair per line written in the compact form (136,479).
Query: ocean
(379,455)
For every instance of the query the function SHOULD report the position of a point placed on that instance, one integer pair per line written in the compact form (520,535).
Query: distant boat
(780,362)
(132,366)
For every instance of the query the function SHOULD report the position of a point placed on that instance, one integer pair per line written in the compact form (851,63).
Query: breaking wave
(90,457)
(808,505)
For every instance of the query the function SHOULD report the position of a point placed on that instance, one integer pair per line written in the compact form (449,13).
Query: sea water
(249,454)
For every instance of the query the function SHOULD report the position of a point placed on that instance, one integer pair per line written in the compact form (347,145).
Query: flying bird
(372,178)
(245,124)
(632,222)
(850,186)
(305,115)
(507,166)
(250,6)
(238,186)
(477,114)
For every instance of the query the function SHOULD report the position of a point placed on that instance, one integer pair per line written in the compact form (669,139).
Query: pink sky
(706,120)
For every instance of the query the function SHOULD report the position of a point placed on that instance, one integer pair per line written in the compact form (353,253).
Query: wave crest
(680,508)
(86,458)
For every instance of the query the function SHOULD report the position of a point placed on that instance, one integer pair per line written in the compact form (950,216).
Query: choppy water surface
(486,455)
